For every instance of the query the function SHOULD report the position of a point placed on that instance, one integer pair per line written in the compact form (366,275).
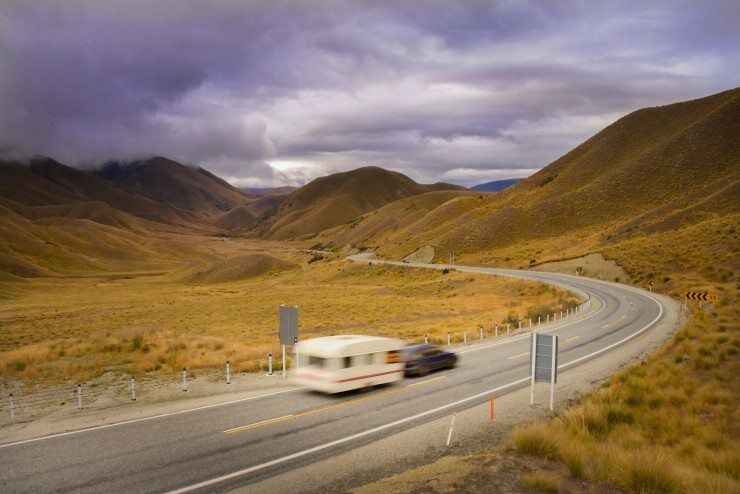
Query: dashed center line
(572,338)
(518,356)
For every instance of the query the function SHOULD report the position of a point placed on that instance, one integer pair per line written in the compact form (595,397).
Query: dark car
(422,359)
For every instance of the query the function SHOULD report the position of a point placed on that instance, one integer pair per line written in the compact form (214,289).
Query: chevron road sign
(703,296)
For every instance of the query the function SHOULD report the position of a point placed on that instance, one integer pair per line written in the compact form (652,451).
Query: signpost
(288,329)
(544,366)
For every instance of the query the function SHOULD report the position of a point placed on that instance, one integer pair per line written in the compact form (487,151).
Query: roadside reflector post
(520,326)
(465,336)
(426,340)
(561,315)
(79,396)
(533,354)
(548,319)
(228,372)
(133,389)
(495,331)
(508,328)
(530,324)
(553,371)
(184,380)
(10,407)
(539,320)
(448,338)
(493,397)
(284,371)
(452,426)
(481,334)
(269,364)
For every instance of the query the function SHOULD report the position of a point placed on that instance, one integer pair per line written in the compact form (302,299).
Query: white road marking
(518,356)
(343,440)
(527,335)
(572,338)
(237,429)
(424,382)
(133,421)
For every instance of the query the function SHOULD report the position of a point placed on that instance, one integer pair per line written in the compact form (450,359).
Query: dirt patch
(592,265)
(425,253)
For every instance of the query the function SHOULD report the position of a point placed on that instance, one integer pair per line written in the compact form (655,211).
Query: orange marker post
(492,408)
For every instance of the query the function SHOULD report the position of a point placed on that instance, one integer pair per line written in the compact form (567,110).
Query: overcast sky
(267,93)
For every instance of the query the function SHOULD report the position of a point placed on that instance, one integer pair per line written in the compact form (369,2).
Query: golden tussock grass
(79,328)
(667,425)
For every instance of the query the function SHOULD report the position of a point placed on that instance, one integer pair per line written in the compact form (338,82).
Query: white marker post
(79,397)
(495,334)
(133,389)
(520,326)
(284,370)
(452,426)
(269,364)
(481,334)
(533,357)
(10,407)
(228,372)
(448,338)
(426,340)
(465,336)
(539,320)
(184,380)
(553,370)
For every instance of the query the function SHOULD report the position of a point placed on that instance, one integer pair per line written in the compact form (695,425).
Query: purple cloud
(272,92)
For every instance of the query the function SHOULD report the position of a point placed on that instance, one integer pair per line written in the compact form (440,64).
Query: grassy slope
(655,170)
(139,324)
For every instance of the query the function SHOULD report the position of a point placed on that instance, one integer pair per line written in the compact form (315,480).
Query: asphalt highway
(224,447)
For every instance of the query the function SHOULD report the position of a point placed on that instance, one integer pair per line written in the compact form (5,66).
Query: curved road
(224,447)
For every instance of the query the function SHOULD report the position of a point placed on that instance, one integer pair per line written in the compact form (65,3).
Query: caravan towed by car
(332,364)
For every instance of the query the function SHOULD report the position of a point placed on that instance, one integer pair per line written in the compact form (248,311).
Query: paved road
(224,447)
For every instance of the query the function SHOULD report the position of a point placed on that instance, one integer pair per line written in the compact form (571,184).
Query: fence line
(18,405)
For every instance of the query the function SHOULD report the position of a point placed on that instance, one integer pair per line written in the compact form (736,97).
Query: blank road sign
(544,361)
(288,324)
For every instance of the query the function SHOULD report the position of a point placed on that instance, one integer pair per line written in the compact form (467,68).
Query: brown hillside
(338,199)
(189,189)
(654,170)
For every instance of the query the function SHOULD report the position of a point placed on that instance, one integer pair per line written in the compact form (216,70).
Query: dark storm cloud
(263,92)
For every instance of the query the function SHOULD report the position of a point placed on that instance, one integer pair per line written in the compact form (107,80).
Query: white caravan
(333,364)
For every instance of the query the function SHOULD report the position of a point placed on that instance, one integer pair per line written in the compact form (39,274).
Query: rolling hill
(169,182)
(654,171)
(339,198)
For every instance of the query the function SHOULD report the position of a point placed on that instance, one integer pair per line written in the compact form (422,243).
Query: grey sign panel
(288,324)
(544,360)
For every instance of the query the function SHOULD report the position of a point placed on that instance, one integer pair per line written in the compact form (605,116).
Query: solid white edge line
(527,334)
(305,452)
(142,419)
(525,380)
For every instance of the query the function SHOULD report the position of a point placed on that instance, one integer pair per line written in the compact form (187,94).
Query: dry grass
(668,425)
(542,482)
(78,328)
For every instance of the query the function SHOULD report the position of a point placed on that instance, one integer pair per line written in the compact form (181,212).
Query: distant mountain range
(656,170)
(496,185)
